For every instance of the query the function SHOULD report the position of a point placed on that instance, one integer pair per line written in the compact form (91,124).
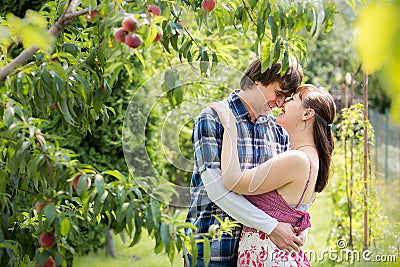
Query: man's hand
(285,237)
(302,235)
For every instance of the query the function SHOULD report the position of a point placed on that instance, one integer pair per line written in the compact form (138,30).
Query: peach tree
(58,69)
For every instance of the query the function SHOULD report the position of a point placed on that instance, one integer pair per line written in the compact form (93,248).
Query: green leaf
(204,63)
(82,185)
(260,27)
(138,218)
(97,100)
(65,225)
(178,93)
(267,57)
(285,62)
(50,213)
(174,42)
(149,219)
(151,35)
(74,50)
(165,236)
(99,183)
(273,27)
(116,174)
(92,57)
(170,78)
(214,60)
(277,52)
(9,116)
(194,250)
(64,109)
(206,251)
(252,3)
(156,212)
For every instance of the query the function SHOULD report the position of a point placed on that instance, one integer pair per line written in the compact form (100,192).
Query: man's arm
(236,205)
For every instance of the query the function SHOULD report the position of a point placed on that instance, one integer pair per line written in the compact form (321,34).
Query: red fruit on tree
(119,35)
(208,5)
(180,27)
(41,204)
(49,263)
(133,40)
(158,37)
(46,240)
(76,181)
(154,9)
(90,17)
(180,24)
(130,23)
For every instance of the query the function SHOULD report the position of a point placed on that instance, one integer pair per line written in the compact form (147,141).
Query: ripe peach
(90,17)
(158,37)
(180,24)
(46,240)
(154,9)
(133,40)
(130,23)
(119,35)
(208,5)
(49,263)
(40,204)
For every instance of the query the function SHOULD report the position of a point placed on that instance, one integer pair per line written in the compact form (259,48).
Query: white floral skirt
(256,249)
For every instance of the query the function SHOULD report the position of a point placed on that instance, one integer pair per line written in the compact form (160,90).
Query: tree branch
(65,19)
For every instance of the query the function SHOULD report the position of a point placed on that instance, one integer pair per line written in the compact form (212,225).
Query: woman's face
(292,111)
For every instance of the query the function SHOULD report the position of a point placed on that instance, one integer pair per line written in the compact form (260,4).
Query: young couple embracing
(261,171)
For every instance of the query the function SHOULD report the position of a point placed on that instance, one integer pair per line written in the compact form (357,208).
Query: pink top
(276,206)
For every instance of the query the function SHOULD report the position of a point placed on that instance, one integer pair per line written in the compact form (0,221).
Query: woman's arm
(272,174)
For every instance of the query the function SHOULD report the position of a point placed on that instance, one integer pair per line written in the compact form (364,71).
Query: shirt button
(256,147)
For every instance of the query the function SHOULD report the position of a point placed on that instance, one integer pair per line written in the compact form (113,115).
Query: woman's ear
(308,114)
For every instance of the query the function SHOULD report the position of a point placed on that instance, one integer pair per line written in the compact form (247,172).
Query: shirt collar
(242,113)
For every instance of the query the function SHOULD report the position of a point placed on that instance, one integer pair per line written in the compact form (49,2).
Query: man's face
(274,96)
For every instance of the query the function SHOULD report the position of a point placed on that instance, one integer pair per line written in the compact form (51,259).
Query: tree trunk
(110,249)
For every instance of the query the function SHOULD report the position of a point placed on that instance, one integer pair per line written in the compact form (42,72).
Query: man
(259,138)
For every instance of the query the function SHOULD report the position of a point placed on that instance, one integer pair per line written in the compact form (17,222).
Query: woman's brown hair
(325,111)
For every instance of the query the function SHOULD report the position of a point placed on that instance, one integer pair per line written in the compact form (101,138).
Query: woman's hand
(228,120)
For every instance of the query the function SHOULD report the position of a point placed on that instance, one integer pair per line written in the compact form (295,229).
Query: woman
(286,185)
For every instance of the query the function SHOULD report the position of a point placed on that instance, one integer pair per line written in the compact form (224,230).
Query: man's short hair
(288,82)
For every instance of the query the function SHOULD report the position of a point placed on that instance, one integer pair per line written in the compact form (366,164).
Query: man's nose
(279,102)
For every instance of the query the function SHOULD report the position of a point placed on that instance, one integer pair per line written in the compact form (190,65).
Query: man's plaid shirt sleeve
(207,138)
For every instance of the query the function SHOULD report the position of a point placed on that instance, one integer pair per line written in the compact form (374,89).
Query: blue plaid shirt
(257,142)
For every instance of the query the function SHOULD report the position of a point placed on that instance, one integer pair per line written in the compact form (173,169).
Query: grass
(140,255)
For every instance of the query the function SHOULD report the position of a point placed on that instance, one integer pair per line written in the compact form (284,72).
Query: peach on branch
(130,23)
(158,36)
(91,16)
(180,24)
(40,204)
(208,5)
(46,240)
(133,40)
(49,263)
(119,35)
(155,10)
